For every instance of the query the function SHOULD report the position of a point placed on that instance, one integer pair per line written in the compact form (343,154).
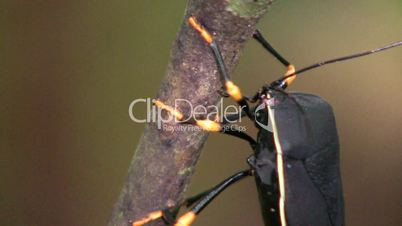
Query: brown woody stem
(164,161)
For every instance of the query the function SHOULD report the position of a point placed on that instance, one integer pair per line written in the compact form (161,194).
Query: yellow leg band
(186,220)
(152,216)
(233,90)
(291,70)
(198,27)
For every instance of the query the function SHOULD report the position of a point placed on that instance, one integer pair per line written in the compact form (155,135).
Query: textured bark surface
(164,161)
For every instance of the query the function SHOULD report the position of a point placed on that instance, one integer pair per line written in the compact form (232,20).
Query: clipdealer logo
(166,121)
(169,123)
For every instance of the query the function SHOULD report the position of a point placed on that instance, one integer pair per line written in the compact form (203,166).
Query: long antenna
(343,58)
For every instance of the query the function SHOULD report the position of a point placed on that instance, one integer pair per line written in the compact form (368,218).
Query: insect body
(295,158)
(311,157)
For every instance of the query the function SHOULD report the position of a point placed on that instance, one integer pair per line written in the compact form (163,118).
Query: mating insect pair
(295,159)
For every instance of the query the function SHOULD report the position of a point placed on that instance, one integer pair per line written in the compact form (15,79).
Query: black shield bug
(295,160)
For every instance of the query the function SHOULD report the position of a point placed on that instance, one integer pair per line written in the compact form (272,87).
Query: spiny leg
(290,68)
(230,88)
(187,218)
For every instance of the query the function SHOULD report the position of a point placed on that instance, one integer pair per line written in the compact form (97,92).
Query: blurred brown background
(69,70)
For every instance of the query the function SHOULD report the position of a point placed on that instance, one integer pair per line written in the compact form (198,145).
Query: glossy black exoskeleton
(311,157)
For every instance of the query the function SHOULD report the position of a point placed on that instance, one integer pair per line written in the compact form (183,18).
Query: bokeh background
(69,70)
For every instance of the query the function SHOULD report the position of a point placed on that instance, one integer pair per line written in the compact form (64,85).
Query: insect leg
(207,124)
(290,68)
(187,218)
(230,88)
(150,217)
(260,38)
(198,203)
(232,130)
(169,214)
(231,118)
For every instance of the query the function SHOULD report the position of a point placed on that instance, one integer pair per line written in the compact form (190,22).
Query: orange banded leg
(150,217)
(168,215)
(187,218)
(207,124)
(230,88)
(289,75)
(198,203)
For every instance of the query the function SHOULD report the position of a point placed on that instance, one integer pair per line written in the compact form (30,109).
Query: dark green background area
(69,70)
